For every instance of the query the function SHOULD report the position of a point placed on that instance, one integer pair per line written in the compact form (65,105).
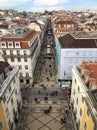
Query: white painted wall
(71,57)
(15,86)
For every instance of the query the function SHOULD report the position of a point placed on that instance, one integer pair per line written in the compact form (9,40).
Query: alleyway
(45,105)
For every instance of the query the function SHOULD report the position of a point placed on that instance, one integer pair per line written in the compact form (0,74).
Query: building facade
(83,96)
(72,50)
(22,50)
(10,96)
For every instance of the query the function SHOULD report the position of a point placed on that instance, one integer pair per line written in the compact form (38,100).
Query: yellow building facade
(87,119)
(2,118)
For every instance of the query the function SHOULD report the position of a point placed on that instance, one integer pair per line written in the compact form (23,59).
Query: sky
(41,5)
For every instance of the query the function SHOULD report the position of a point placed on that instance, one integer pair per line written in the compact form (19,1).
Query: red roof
(3,25)
(23,41)
(15,39)
(24,45)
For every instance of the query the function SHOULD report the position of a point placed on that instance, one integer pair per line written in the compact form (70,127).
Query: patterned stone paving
(36,119)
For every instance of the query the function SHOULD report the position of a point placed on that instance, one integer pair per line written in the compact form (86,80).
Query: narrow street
(45,104)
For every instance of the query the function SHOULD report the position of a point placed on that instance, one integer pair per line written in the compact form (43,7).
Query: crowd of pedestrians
(46,69)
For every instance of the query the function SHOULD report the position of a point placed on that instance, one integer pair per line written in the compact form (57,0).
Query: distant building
(72,49)
(84,96)
(10,96)
(22,49)
(63,25)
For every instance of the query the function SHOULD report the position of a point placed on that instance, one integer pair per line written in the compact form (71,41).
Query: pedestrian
(46,94)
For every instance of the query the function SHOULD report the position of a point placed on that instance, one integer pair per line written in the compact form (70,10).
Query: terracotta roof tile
(90,70)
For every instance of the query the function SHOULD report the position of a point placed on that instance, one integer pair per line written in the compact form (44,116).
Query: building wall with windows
(84,96)
(22,52)
(10,96)
(77,98)
(87,119)
(70,57)
(3,121)
(72,50)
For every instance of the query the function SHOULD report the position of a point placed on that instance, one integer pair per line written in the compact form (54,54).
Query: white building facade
(10,95)
(72,51)
(23,52)
(70,57)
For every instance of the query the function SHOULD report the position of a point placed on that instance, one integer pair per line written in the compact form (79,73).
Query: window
(20,67)
(12,101)
(18,52)
(9,88)
(5,59)
(27,74)
(77,101)
(3,44)
(7,111)
(27,81)
(15,91)
(4,52)
(25,52)
(74,91)
(75,80)
(4,99)
(26,67)
(88,112)
(19,60)
(78,89)
(10,44)
(17,44)
(80,112)
(25,59)
(77,53)
(83,99)
(14,80)
(21,75)
(21,80)
(85,126)
(11,52)
(12,59)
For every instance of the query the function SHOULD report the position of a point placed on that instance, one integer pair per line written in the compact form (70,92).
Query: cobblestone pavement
(37,119)
(36,113)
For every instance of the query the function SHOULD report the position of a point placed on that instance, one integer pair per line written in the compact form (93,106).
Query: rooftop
(24,36)
(72,40)
(90,69)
